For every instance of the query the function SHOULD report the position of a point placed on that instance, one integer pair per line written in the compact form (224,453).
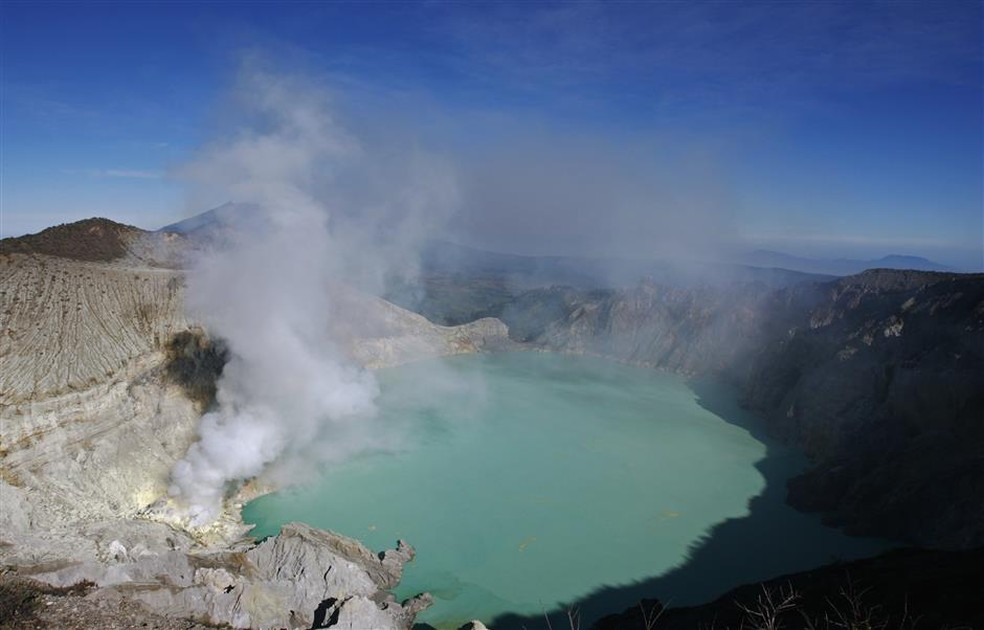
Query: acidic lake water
(530,481)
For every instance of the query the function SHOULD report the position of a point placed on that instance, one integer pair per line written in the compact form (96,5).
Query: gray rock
(297,579)
(877,377)
(97,363)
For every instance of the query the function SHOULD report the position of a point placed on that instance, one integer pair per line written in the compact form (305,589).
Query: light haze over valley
(818,130)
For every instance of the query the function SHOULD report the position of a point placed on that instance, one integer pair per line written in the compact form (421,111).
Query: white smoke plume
(324,209)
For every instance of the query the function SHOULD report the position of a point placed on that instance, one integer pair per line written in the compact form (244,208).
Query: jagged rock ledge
(301,578)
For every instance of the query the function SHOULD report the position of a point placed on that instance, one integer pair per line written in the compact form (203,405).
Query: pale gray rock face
(92,427)
(297,579)
(69,325)
(381,334)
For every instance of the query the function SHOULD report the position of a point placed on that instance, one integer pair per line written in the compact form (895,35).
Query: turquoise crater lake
(527,481)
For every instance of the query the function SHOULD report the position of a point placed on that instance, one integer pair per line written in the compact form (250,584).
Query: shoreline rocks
(301,578)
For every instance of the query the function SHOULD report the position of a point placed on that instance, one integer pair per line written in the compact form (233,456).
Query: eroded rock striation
(103,379)
(90,425)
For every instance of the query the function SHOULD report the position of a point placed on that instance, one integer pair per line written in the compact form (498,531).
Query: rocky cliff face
(689,330)
(877,376)
(102,382)
(90,426)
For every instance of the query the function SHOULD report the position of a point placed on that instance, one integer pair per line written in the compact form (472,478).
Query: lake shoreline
(714,406)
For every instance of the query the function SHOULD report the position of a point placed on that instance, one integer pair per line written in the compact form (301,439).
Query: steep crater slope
(68,325)
(102,382)
(90,426)
(876,376)
(879,378)
(687,330)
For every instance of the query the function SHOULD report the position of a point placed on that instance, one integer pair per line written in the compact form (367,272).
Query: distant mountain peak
(838,266)
(902,258)
(220,216)
(95,240)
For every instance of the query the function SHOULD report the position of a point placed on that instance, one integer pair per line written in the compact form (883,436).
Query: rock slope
(90,426)
(68,325)
(688,330)
(102,381)
(301,578)
(877,376)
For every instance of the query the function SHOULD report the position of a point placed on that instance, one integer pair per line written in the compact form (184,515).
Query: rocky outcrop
(195,362)
(378,333)
(102,382)
(688,330)
(27,603)
(878,377)
(301,578)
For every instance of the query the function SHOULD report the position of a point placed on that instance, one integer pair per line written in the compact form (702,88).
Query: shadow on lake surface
(771,540)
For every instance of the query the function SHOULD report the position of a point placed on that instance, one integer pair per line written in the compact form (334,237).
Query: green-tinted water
(530,480)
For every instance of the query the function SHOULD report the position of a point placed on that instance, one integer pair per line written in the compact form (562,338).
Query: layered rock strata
(102,381)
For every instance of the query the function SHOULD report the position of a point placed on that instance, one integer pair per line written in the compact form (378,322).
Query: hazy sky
(816,128)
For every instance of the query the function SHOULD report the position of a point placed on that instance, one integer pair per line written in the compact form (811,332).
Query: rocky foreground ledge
(301,578)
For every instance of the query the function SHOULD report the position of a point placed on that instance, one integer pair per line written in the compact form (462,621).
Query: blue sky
(817,128)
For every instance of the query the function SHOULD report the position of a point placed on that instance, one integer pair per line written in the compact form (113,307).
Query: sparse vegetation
(852,610)
(769,608)
(94,240)
(900,590)
(19,600)
(27,603)
(651,611)
(7,475)
(22,598)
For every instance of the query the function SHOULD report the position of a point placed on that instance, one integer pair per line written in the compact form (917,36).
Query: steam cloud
(324,208)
